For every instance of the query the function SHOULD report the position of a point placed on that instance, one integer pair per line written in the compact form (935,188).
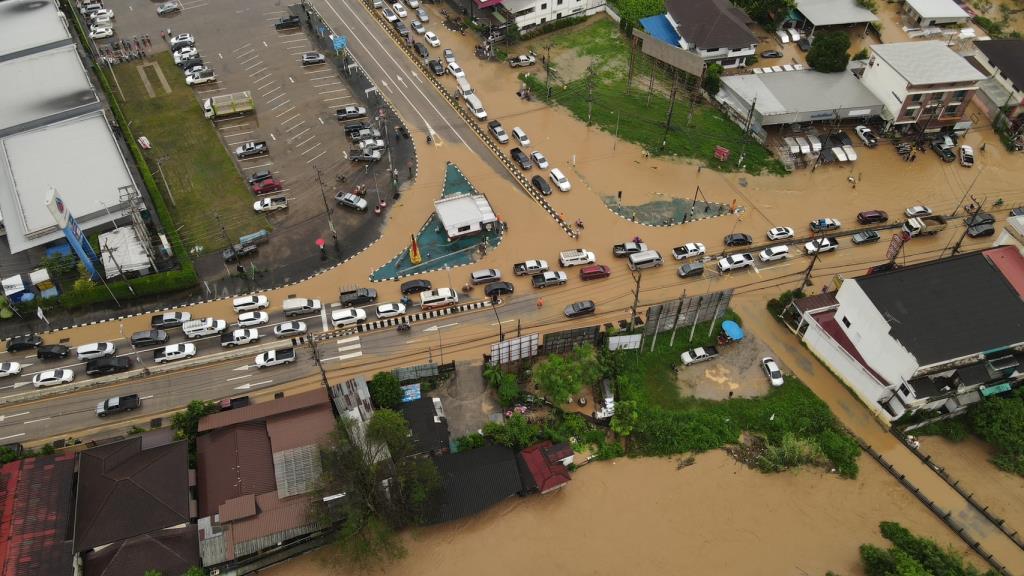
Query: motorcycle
(404,327)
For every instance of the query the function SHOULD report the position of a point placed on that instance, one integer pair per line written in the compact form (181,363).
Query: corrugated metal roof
(275,515)
(232,462)
(168,552)
(927,62)
(237,508)
(124,491)
(262,410)
(833,12)
(300,427)
(35,509)
(297,470)
(938,9)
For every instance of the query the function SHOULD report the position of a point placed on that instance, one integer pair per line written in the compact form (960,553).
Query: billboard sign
(76,238)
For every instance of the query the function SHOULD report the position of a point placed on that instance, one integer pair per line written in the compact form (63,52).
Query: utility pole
(227,239)
(814,260)
(118,266)
(494,307)
(746,131)
(316,360)
(694,91)
(671,108)
(590,92)
(632,61)
(689,215)
(675,323)
(637,275)
(968,191)
(835,121)
(973,215)
(327,209)
(547,70)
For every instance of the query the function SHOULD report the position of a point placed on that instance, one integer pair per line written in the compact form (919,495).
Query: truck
(697,355)
(118,404)
(627,248)
(228,105)
(239,337)
(363,134)
(545,279)
(576,257)
(251,149)
(275,357)
(364,155)
(522,60)
(926,225)
(530,267)
(270,204)
(358,296)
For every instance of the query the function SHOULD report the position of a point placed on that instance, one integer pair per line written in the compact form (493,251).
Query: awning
(732,330)
(997,389)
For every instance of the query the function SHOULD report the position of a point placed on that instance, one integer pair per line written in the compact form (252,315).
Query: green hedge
(556,25)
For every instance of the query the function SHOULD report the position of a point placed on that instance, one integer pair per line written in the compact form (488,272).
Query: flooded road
(643,516)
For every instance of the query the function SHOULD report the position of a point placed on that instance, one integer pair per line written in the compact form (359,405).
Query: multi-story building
(924,86)
(1004,62)
(715,30)
(527,14)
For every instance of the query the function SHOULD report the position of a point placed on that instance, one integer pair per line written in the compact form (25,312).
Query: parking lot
(295,115)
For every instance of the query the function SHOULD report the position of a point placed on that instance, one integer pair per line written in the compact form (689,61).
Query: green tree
(359,464)
(829,53)
(186,422)
(152,573)
(385,390)
(713,78)
(516,432)
(560,378)
(625,418)
(767,13)
(999,420)
(912,555)
(194,571)
(508,390)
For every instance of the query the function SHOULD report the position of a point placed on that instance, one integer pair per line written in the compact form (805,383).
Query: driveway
(736,373)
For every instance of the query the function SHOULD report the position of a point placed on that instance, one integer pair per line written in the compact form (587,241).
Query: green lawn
(201,175)
(640,116)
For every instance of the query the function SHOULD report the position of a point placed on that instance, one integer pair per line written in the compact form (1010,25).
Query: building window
(951,110)
(543,20)
(559,2)
(916,97)
(543,6)
(959,94)
(910,112)
(905,391)
(846,321)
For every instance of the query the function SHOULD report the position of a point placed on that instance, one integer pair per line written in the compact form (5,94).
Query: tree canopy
(561,377)
(385,390)
(999,420)
(830,51)
(912,555)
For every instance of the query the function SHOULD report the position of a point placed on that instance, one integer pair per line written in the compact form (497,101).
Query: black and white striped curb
(393,322)
(471,122)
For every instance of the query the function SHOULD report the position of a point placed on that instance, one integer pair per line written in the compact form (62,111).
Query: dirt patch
(468,402)
(748,451)
(736,373)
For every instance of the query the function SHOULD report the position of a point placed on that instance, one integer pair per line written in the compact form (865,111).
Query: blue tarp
(659,27)
(732,330)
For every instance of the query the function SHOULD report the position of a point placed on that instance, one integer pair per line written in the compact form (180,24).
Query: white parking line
(264,85)
(232,143)
(269,92)
(331,91)
(295,137)
(336,98)
(328,77)
(323,318)
(242,47)
(259,63)
(304,141)
(345,356)
(335,83)
(260,71)
(311,148)
(295,126)
(279,114)
(22,434)
(303,39)
(196,6)
(276,12)
(279,105)
(208,91)
(261,79)
(246,53)
(259,166)
(36,420)
(290,118)
(281,95)
(233,134)
(315,157)
(355,346)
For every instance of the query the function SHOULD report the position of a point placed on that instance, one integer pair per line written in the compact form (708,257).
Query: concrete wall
(547,11)
(868,389)
(869,332)
(885,83)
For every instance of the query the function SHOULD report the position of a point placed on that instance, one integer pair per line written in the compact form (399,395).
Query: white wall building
(464,214)
(938,335)
(716,30)
(926,13)
(529,14)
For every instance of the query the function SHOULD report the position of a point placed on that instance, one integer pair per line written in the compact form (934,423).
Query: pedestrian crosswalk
(348,348)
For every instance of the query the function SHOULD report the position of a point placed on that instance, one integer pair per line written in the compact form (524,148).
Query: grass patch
(673,424)
(952,429)
(203,180)
(601,42)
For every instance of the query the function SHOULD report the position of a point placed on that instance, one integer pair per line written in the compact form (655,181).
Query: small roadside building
(814,14)
(473,481)
(715,30)
(428,425)
(544,466)
(464,214)
(926,13)
(1003,89)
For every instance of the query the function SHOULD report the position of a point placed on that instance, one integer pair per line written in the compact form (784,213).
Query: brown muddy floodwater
(645,516)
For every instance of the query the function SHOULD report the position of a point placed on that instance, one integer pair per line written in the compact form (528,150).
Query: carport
(820,13)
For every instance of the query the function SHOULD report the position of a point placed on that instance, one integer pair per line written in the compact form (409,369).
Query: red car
(266,186)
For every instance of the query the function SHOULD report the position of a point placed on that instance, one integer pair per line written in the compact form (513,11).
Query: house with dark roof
(1002,61)
(36,516)
(716,30)
(427,424)
(256,468)
(543,466)
(938,335)
(473,481)
(134,507)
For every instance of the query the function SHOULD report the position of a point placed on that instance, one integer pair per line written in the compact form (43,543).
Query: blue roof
(659,27)
(732,330)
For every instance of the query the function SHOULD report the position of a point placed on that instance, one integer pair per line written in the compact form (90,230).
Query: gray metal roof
(44,87)
(801,91)
(938,9)
(26,25)
(834,12)
(928,62)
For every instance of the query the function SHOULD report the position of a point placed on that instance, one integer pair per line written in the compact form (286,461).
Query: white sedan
(771,370)
(289,329)
(455,70)
(735,262)
(400,10)
(389,14)
(780,233)
(97,32)
(341,318)
(53,378)
(390,310)
(9,369)
(432,39)
(918,211)
(774,253)
(539,159)
(246,319)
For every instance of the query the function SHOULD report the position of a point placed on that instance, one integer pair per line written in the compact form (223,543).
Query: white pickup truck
(530,267)
(275,357)
(698,355)
(577,257)
(239,337)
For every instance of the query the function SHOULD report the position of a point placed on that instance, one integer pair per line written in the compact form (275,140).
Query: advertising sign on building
(76,238)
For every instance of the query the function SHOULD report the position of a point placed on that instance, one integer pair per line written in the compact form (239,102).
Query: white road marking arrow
(15,385)
(246,367)
(3,417)
(435,328)
(252,385)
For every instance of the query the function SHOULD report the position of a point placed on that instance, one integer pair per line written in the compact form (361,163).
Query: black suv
(356,127)
(521,158)
(946,154)
(436,67)
(102,366)
(26,342)
(149,338)
(498,289)
(416,286)
(286,23)
(738,240)
(52,352)
(541,185)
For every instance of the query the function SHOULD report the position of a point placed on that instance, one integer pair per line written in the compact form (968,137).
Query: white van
(464,88)
(204,327)
(296,306)
(476,107)
(520,135)
(645,259)
(438,298)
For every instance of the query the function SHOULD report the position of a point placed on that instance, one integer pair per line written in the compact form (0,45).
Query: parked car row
(99,19)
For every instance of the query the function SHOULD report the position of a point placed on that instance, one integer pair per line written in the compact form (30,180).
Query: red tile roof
(547,475)
(35,507)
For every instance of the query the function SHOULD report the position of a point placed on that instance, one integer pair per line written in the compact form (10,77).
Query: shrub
(551,27)
(516,432)
(777,305)
(385,390)
(792,452)
(508,391)
(862,55)
(842,450)
(470,441)
(952,429)
(713,78)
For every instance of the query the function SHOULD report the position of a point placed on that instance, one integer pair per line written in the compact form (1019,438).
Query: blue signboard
(411,392)
(340,42)
(74,234)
